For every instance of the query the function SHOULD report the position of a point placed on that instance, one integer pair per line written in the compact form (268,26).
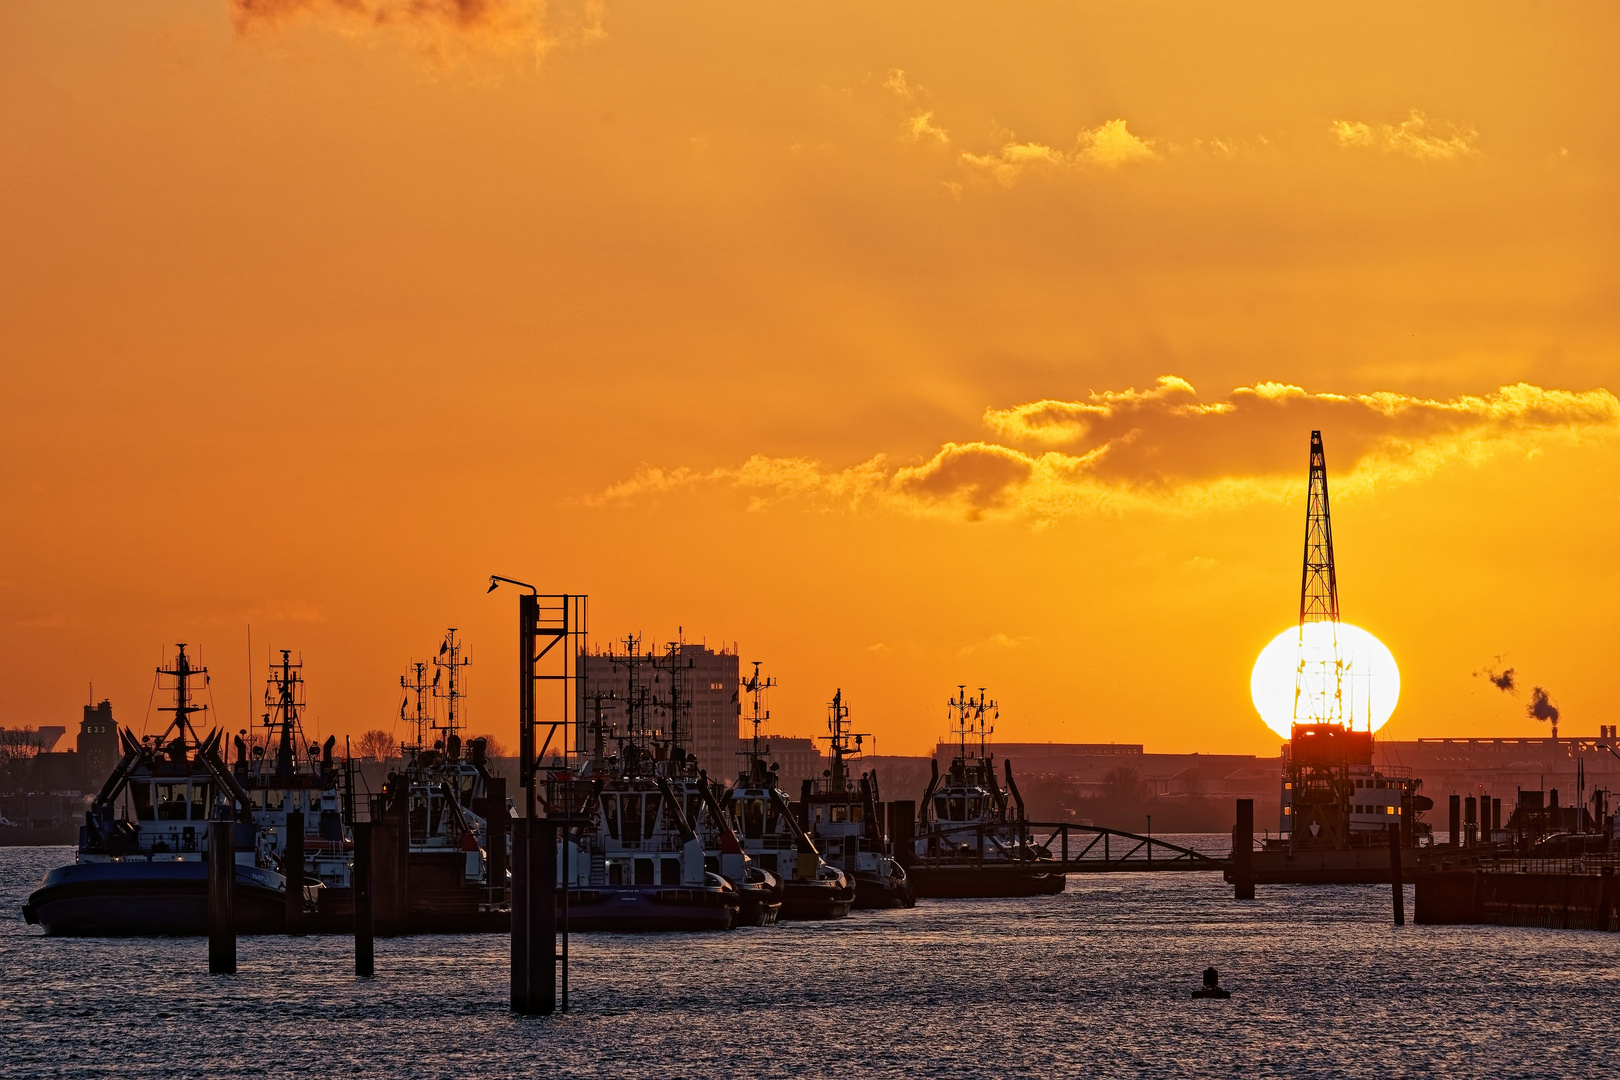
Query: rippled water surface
(1094,982)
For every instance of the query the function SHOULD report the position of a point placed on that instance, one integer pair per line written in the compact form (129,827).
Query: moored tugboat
(972,839)
(640,865)
(437,809)
(146,872)
(845,818)
(770,832)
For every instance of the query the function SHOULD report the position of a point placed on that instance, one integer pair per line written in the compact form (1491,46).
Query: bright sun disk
(1371,683)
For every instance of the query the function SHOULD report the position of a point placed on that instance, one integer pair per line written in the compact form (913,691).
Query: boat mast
(417,684)
(837,715)
(287,683)
(183,673)
(756,687)
(450,662)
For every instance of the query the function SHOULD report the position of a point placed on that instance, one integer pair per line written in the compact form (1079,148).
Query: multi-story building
(97,744)
(708,685)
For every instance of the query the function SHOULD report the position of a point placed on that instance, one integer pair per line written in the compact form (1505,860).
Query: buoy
(1212,986)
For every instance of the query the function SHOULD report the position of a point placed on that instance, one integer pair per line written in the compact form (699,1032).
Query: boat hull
(142,899)
(805,902)
(879,891)
(975,881)
(1347,866)
(650,908)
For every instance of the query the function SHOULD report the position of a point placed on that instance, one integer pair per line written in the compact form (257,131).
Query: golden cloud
(1107,146)
(444,31)
(1412,136)
(1162,448)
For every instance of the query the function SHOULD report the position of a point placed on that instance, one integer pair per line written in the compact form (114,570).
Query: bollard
(1455,821)
(364,908)
(1395,874)
(1243,851)
(292,868)
(221,890)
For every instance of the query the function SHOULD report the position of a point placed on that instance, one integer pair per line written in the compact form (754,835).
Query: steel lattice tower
(1318,680)
(1318,588)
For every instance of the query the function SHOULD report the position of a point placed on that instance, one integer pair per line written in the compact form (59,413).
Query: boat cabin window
(773,816)
(857,812)
(957,809)
(669,871)
(199,802)
(840,812)
(171,802)
(610,816)
(942,808)
(975,808)
(694,804)
(644,871)
(649,817)
(143,801)
(753,818)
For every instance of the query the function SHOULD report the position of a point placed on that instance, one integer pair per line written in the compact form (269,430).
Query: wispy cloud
(1164,449)
(1414,136)
(1107,146)
(445,32)
(922,126)
(997,640)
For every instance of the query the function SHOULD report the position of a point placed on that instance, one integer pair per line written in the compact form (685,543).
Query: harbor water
(1094,982)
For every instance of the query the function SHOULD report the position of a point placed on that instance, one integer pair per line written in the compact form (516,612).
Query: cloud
(994,641)
(922,126)
(446,32)
(1107,147)
(1165,449)
(897,85)
(1412,136)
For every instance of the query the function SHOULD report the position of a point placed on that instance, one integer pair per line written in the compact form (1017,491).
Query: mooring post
(1395,874)
(1455,821)
(292,868)
(221,915)
(365,926)
(520,915)
(543,921)
(1243,851)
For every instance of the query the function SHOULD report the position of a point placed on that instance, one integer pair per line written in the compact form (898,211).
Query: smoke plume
(1542,708)
(1503,680)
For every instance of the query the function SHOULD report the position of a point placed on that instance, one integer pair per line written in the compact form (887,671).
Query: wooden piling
(1395,874)
(221,893)
(364,907)
(903,830)
(292,868)
(1454,821)
(1243,851)
(500,825)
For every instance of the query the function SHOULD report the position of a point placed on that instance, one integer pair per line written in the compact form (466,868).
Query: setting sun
(1370,679)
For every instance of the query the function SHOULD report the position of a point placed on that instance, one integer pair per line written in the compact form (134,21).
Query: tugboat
(441,844)
(146,872)
(846,819)
(770,831)
(972,840)
(281,782)
(640,865)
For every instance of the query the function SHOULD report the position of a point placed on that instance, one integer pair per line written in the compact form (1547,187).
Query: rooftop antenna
(1318,684)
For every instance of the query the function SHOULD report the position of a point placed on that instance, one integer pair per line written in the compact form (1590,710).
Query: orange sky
(905,344)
